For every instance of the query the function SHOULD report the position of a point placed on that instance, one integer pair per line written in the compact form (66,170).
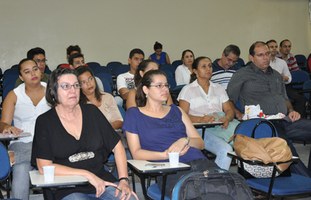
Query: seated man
(125,81)
(258,83)
(226,66)
(277,63)
(38,55)
(295,97)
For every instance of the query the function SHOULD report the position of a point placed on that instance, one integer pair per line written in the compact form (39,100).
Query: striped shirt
(222,76)
(291,62)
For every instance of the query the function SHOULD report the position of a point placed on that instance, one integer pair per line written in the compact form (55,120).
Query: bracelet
(124,178)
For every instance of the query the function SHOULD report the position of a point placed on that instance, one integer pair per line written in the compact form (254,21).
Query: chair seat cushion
(294,184)
(154,192)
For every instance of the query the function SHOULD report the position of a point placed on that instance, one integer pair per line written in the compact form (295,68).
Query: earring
(146,95)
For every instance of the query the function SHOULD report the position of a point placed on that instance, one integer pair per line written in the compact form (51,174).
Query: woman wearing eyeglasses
(153,129)
(23,105)
(90,93)
(143,67)
(77,139)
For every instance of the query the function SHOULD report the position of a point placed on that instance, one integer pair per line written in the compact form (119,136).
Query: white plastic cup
(48,172)
(173,158)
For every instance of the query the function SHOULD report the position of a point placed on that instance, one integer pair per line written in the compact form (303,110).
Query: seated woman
(23,105)
(104,101)
(184,71)
(205,101)
(153,129)
(143,67)
(77,141)
(159,56)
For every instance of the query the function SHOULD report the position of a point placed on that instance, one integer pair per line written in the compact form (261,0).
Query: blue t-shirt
(161,61)
(158,134)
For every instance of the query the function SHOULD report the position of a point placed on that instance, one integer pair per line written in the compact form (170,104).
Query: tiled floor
(303,152)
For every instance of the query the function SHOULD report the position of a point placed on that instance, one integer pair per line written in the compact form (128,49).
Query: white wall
(108,30)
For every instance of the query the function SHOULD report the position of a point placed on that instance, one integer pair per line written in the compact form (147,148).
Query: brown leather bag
(266,150)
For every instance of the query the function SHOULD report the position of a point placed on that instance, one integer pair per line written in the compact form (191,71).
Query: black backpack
(215,185)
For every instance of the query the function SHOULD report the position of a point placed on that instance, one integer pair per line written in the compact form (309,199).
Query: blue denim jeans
(219,147)
(107,195)
(21,168)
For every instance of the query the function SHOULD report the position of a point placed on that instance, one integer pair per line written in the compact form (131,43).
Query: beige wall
(108,30)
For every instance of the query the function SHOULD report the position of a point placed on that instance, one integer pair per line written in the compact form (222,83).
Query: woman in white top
(23,105)
(90,93)
(205,101)
(184,71)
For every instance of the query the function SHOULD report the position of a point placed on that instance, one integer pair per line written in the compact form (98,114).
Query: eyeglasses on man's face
(67,86)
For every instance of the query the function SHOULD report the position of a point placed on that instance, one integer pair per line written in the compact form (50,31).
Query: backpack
(217,184)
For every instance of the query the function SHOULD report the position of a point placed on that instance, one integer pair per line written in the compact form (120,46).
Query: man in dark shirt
(258,83)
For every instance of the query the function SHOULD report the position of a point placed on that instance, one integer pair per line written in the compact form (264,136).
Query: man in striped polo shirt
(296,98)
(226,66)
(285,48)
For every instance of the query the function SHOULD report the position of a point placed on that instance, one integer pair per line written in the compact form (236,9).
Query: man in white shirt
(125,81)
(281,66)
(277,63)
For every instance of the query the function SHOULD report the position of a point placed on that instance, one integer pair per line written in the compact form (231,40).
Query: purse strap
(261,122)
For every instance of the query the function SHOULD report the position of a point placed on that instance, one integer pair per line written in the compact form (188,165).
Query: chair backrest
(106,80)
(256,128)
(95,66)
(176,63)
(241,62)
(5,167)
(307,86)
(113,63)
(9,78)
(119,69)
(170,76)
(298,78)
(168,67)
(301,61)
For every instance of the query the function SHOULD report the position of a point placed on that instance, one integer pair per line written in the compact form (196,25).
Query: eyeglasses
(41,61)
(160,86)
(67,86)
(84,82)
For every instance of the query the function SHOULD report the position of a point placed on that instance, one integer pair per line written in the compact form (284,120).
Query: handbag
(267,150)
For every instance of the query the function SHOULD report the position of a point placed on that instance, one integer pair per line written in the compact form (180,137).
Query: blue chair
(298,78)
(106,80)
(5,171)
(301,61)
(9,78)
(113,64)
(176,63)
(95,66)
(154,192)
(275,186)
(168,67)
(241,62)
(119,69)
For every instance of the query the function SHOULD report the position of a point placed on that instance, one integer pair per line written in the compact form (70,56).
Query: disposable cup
(48,172)
(173,158)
